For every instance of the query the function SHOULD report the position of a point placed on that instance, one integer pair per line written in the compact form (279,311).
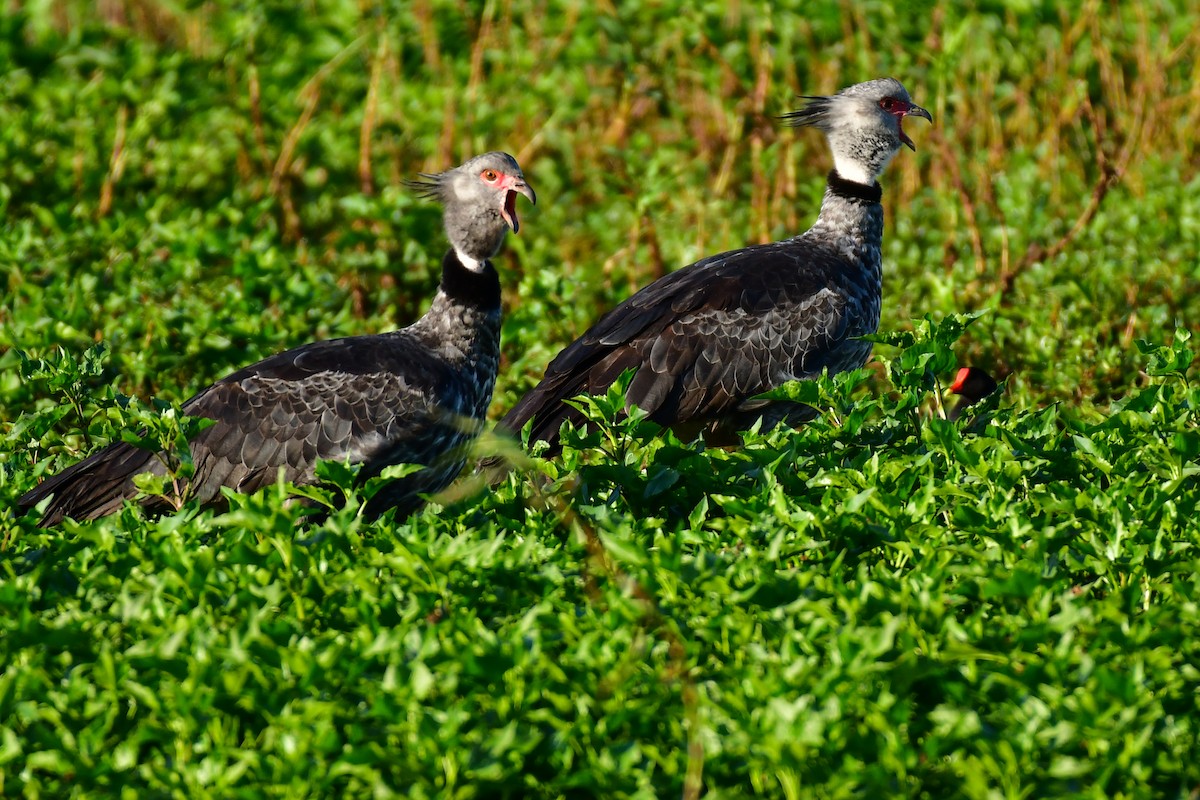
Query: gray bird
(706,339)
(416,395)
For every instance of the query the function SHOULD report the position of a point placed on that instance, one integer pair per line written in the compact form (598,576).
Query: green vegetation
(884,603)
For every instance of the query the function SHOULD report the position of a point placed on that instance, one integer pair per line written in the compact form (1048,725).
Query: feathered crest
(819,111)
(427,185)
(814,114)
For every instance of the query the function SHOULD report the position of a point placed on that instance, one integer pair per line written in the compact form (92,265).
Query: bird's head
(972,384)
(863,124)
(480,201)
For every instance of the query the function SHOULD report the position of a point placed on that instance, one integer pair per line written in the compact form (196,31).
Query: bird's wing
(367,398)
(361,398)
(703,339)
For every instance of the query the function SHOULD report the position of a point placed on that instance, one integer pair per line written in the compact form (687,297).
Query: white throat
(851,170)
(468,262)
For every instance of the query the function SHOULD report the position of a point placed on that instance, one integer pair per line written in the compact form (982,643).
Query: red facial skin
(513,186)
(901,109)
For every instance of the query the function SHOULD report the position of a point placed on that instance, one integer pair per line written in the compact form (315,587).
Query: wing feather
(705,338)
(327,400)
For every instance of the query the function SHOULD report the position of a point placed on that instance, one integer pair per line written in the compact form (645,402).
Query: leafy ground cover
(884,603)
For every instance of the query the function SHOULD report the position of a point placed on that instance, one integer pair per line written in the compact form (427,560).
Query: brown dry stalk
(761,189)
(728,160)
(279,188)
(116,163)
(446,139)
(423,14)
(658,266)
(730,76)
(256,120)
(634,275)
(693,777)
(568,23)
(956,179)
(534,143)
(310,94)
(78,161)
(617,131)
(370,114)
(478,49)
(783,188)
(1110,175)
(1118,98)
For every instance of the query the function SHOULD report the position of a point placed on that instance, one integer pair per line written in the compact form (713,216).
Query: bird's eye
(490,175)
(889,104)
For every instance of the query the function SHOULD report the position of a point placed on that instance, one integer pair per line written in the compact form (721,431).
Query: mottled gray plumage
(415,395)
(703,341)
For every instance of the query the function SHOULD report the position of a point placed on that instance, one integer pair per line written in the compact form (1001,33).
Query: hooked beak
(509,212)
(912,111)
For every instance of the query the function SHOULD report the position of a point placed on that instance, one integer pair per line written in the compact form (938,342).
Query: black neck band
(854,191)
(480,289)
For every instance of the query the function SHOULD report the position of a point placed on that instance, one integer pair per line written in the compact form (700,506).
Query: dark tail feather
(548,412)
(95,487)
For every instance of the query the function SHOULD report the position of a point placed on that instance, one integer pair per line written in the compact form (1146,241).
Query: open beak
(912,111)
(509,212)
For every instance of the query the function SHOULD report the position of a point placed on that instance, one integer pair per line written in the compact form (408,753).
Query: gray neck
(459,332)
(474,231)
(851,220)
(463,322)
(850,225)
(466,337)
